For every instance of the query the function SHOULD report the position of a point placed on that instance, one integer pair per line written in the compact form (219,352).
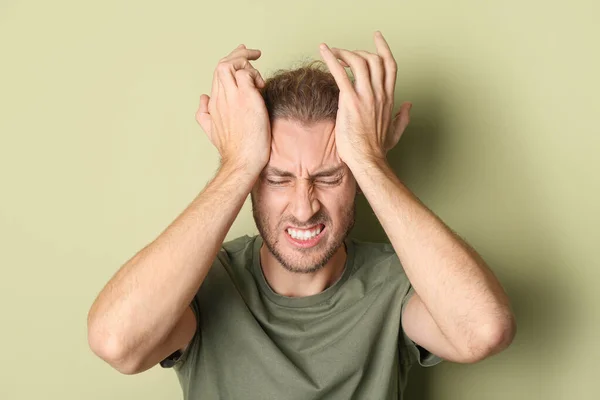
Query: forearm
(144,300)
(459,290)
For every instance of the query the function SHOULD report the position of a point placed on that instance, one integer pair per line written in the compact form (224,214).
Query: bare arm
(131,322)
(459,310)
(142,315)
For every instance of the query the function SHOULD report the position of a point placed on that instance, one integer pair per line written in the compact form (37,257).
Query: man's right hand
(145,312)
(235,117)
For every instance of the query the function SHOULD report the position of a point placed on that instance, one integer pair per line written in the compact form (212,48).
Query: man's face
(303,202)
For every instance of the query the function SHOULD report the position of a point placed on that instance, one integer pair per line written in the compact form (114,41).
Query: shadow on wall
(507,218)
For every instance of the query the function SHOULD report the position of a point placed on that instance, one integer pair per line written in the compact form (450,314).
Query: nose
(305,203)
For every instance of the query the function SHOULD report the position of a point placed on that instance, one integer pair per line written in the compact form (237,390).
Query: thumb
(399,124)
(403,117)
(202,115)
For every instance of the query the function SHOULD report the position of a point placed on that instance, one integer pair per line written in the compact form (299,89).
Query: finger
(247,78)
(230,66)
(248,54)
(359,67)
(237,59)
(391,67)
(241,46)
(376,71)
(336,69)
(225,74)
(203,116)
(241,63)
(217,92)
(214,91)
(258,79)
(204,99)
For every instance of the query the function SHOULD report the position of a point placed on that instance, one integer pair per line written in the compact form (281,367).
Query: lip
(305,243)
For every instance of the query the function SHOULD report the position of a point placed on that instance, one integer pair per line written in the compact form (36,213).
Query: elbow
(491,338)
(112,351)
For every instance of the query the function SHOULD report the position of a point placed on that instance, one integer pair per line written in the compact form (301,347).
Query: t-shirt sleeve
(413,353)
(178,358)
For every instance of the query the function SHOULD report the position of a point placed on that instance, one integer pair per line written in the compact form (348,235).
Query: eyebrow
(327,172)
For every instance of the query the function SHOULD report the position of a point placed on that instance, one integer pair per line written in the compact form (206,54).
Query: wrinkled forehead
(302,148)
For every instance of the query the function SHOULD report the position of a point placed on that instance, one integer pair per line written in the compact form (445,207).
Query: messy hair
(306,94)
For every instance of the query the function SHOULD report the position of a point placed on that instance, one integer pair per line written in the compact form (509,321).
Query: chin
(302,257)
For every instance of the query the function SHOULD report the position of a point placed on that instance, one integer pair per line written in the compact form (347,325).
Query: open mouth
(305,237)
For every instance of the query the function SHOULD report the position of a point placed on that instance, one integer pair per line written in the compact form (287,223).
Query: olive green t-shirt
(344,343)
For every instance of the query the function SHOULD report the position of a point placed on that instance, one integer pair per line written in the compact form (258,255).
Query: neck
(295,284)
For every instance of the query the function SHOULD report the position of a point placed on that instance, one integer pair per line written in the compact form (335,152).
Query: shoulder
(237,244)
(234,260)
(378,258)
(373,254)
(236,251)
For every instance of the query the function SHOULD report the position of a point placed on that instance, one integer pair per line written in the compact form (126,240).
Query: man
(301,311)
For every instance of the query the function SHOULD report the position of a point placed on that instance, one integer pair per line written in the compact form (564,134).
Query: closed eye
(330,182)
(272,182)
(320,182)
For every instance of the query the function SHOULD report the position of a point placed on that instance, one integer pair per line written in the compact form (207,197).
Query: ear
(399,124)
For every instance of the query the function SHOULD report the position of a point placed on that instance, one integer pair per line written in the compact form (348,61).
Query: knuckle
(374,59)
(241,63)
(362,61)
(223,67)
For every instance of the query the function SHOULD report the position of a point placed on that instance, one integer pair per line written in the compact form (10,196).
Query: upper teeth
(303,234)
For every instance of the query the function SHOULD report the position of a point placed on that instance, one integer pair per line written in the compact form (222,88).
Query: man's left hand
(364,129)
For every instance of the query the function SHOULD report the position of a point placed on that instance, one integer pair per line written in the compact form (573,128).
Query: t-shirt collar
(306,301)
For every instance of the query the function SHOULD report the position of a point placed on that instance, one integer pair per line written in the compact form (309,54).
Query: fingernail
(323,47)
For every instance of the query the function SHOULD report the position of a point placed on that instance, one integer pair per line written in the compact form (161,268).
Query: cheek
(337,202)
(272,202)
(336,197)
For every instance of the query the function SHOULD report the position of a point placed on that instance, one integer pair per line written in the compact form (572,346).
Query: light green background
(99,151)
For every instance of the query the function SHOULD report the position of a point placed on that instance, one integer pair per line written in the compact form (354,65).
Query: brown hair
(306,94)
